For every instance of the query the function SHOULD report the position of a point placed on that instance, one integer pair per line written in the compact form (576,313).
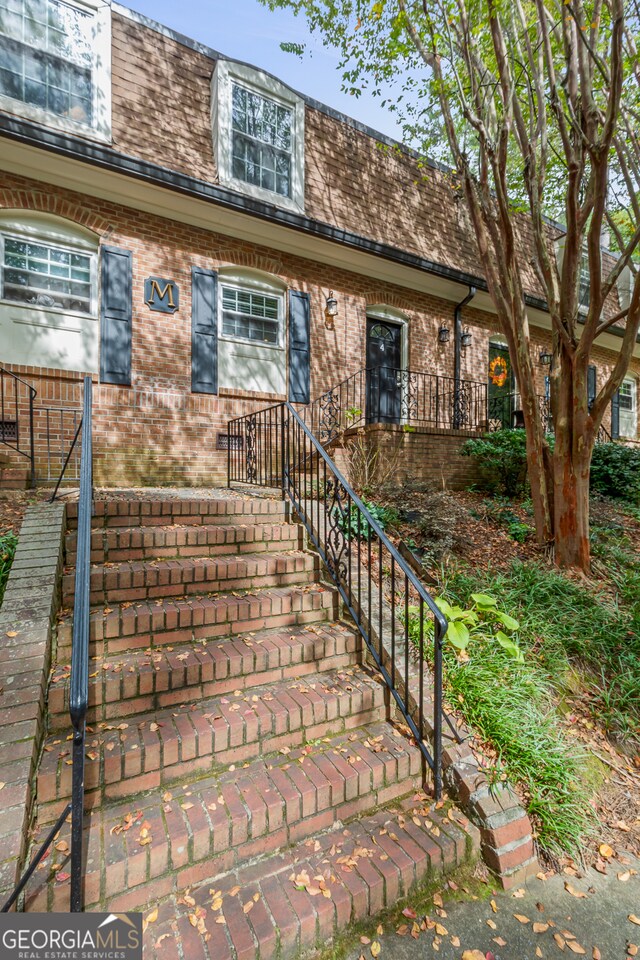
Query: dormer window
(262,141)
(258,129)
(54,63)
(584,284)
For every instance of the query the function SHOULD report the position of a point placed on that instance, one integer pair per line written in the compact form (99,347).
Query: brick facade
(157,430)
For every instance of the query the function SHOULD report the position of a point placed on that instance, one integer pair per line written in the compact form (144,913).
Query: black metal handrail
(67,458)
(11,428)
(79,687)
(395,395)
(275,448)
(35,860)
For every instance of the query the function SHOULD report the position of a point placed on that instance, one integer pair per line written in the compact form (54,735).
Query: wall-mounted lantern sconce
(443,334)
(545,359)
(466,338)
(330,310)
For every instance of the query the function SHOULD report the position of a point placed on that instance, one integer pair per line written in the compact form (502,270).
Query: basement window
(258,130)
(55,63)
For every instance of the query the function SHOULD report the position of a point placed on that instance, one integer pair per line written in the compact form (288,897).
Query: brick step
(153,579)
(133,513)
(370,865)
(200,829)
(132,683)
(192,739)
(118,544)
(136,626)
(14,478)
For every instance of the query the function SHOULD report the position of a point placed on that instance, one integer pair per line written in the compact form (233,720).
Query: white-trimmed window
(251,316)
(55,63)
(258,129)
(251,330)
(47,275)
(48,292)
(628,406)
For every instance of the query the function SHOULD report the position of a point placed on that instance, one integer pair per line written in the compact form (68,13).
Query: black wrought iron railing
(63,432)
(275,448)
(16,417)
(393,395)
(79,688)
(79,684)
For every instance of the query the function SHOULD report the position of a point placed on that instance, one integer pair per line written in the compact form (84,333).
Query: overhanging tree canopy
(535,106)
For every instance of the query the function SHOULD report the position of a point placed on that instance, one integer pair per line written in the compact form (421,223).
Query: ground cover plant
(555,701)
(504,692)
(8,544)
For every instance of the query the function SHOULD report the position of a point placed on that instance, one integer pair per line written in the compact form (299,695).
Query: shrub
(348,521)
(615,471)
(501,459)
(8,544)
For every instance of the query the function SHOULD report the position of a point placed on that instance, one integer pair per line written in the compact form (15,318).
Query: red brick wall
(157,431)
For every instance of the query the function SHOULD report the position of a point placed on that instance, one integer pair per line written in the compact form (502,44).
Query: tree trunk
(571,509)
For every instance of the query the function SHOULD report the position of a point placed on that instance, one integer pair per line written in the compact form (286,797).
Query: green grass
(8,544)
(566,627)
(510,705)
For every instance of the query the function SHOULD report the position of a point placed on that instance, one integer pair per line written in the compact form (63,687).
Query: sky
(246,30)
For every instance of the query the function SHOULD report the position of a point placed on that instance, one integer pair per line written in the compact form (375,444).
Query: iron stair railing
(275,448)
(79,689)
(79,684)
(14,393)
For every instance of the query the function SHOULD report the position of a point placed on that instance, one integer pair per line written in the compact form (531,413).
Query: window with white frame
(47,275)
(251,329)
(54,62)
(252,316)
(48,292)
(258,129)
(584,284)
(627,402)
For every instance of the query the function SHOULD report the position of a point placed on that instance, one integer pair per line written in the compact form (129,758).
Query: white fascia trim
(100,41)
(226,71)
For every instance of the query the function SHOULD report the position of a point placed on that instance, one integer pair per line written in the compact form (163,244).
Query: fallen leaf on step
(540,927)
(605,851)
(521,919)
(575,947)
(574,893)
(596,955)
(375,949)
(633,919)
(473,955)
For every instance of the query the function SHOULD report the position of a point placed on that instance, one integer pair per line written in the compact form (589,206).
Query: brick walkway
(237,739)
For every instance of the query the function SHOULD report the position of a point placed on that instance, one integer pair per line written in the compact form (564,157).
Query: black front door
(384,390)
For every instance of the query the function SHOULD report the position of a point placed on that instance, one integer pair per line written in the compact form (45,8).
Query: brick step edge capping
(506,835)
(27,617)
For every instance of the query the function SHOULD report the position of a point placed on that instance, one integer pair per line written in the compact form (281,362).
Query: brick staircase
(12,476)
(236,739)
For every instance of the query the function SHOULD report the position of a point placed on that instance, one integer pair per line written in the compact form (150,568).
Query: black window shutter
(204,330)
(299,347)
(115,315)
(592,388)
(615,416)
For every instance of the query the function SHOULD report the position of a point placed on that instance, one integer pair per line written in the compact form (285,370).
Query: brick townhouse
(204,241)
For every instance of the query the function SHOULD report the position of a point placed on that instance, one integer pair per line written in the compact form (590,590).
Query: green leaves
(458,635)
(510,646)
(481,622)
(508,622)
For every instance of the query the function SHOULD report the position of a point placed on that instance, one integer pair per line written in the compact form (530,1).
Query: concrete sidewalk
(598,920)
